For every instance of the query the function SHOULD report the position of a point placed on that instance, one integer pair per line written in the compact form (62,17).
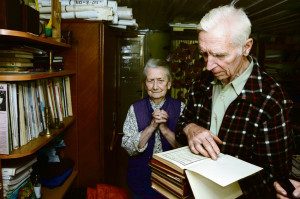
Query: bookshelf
(11,38)
(29,38)
(7,77)
(34,145)
(60,191)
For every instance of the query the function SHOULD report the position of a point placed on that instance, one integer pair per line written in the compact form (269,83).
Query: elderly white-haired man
(235,107)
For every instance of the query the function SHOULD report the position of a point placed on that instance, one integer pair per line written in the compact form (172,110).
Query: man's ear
(248,46)
(169,85)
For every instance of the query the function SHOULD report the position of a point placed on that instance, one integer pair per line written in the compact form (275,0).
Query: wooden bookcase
(12,37)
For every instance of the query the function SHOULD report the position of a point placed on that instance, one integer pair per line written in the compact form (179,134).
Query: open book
(208,178)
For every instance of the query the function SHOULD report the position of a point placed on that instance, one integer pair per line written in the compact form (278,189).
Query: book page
(181,157)
(225,170)
(205,188)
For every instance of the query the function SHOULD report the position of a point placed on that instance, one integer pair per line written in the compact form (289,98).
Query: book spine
(13,105)
(22,121)
(68,96)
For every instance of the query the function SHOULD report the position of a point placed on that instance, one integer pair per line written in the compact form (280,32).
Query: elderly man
(235,107)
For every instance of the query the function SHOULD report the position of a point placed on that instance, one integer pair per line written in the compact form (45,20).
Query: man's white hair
(229,20)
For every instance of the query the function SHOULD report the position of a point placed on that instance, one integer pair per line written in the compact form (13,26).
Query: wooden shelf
(34,145)
(14,35)
(59,192)
(33,75)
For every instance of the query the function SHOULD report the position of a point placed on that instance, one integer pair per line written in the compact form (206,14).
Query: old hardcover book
(208,178)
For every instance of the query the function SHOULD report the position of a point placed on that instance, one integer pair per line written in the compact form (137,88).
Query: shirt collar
(239,82)
(157,106)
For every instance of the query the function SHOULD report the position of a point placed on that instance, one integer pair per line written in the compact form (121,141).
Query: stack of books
(168,181)
(179,173)
(15,175)
(15,61)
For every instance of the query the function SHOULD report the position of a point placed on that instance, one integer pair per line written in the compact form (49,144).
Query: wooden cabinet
(95,55)
(10,37)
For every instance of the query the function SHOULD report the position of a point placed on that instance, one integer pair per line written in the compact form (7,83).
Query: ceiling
(267,16)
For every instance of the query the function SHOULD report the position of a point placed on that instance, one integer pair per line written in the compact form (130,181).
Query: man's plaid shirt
(255,128)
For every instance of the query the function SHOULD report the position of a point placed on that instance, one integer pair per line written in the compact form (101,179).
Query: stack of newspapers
(179,173)
(101,10)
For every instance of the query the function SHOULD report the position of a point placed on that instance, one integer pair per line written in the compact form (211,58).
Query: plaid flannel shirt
(255,128)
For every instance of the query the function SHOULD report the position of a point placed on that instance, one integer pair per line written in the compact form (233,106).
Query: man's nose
(210,63)
(155,85)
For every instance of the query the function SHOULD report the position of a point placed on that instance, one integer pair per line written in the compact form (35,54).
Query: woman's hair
(157,63)
(229,20)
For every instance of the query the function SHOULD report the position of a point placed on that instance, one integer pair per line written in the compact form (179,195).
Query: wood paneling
(86,142)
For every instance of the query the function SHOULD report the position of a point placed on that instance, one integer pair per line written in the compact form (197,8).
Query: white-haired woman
(149,127)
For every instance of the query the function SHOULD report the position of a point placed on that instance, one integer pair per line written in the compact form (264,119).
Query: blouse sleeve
(131,137)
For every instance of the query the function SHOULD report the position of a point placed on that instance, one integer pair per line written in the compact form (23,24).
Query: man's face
(222,58)
(157,84)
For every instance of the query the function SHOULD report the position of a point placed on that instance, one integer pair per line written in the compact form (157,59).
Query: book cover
(4,117)
(209,178)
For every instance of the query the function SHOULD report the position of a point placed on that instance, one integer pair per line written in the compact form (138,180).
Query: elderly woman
(149,127)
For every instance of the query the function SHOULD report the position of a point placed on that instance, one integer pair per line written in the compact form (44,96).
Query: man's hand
(282,194)
(202,141)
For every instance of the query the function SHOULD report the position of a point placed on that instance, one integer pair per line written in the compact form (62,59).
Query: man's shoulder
(264,79)
(262,87)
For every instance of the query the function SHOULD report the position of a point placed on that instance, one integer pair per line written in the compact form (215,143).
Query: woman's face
(157,84)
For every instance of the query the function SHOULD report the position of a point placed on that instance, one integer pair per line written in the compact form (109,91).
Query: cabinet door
(86,57)
(130,69)
(123,64)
